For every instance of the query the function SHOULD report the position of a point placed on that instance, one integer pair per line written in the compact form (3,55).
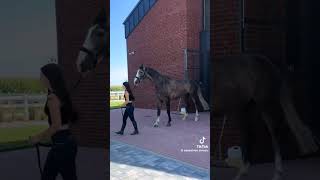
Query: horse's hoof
(169,124)
(277,176)
(155,125)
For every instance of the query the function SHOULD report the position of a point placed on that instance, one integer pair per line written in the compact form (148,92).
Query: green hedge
(116,88)
(21,85)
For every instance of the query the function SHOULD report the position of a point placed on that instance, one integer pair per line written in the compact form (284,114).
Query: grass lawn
(115,104)
(17,137)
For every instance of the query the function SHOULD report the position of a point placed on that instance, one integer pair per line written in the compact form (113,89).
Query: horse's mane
(152,71)
(101,18)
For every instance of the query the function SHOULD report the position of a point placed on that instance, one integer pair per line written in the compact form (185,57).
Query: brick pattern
(158,42)
(90,98)
(225,40)
(261,36)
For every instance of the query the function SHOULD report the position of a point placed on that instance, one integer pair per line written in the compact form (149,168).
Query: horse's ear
(101,18)
(142,66)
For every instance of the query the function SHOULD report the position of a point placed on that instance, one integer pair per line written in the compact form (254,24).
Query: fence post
(26,108)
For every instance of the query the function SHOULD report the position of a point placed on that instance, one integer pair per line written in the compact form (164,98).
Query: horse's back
(237,79)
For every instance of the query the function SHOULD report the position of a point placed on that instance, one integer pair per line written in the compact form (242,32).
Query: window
(141,11)
(130,24)
(137,14)
(127,28)
(135,17)
(146,5)
(152,2)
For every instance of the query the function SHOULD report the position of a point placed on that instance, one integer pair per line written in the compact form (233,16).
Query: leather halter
(90,53)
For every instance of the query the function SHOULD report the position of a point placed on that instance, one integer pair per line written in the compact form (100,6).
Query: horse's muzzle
(136,81)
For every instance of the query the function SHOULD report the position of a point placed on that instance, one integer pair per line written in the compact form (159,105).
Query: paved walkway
(181,141)
(302,169)
(17,124)
(130,162)
(22,164)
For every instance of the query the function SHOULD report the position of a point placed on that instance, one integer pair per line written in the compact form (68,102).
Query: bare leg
(156,124)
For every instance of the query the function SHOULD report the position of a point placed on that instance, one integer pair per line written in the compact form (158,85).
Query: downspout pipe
(242,26)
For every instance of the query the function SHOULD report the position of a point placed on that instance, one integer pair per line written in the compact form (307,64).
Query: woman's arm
(54,108)
(126,94)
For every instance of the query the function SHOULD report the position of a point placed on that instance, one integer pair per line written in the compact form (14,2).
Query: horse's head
(141,75)
(94,47)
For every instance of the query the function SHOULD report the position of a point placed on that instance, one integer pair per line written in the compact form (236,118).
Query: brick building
(73,19)
(279,30)
(157,34)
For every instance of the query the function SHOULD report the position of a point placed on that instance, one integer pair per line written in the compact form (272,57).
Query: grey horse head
(140,75)
(93,49)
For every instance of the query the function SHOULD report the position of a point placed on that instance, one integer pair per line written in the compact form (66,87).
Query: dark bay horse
(241,80)
(168,89)
(94,48)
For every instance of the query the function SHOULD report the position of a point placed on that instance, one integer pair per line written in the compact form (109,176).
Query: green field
(115,104)
(17,137)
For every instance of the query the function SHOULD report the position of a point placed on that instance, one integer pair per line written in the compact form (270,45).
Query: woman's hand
(34,140)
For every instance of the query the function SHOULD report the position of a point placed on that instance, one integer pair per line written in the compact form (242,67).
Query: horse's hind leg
(168,112)
(243,168)
(197,113)
(269,116)
(156,123)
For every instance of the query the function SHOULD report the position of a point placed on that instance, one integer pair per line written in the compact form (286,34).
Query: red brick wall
(90,99)
(158,42)
(225,35)
(263,37)
(225,40)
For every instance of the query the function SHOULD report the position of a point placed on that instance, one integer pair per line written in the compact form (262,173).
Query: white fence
(22,101)
(116,95)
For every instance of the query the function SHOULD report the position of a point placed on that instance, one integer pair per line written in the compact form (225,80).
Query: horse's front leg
(156,123)
(185,114)
(168,112)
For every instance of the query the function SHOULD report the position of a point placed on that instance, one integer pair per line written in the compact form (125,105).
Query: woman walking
(62,155)
(129,98)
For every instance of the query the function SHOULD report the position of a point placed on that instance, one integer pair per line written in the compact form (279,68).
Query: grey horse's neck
(154,75)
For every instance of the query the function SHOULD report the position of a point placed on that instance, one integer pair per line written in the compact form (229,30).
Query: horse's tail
(305,139)
(202,100)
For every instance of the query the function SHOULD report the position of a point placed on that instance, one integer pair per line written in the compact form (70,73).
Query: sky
(27,37)
(119,10)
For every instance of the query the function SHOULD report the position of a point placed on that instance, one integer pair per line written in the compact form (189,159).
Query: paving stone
(129,162)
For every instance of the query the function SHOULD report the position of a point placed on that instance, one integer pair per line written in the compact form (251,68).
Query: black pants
(129,113)
(61,157)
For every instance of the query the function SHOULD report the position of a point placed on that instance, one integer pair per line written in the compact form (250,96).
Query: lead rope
(221,135)
(38,155)
(39,160)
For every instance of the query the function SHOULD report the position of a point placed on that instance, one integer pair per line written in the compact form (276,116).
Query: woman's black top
(65,110)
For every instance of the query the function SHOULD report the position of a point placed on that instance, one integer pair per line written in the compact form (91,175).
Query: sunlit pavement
(174,141)
(130,162)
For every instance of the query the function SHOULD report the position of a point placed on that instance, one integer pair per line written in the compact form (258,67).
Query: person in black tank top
(62,155)
(129,98)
